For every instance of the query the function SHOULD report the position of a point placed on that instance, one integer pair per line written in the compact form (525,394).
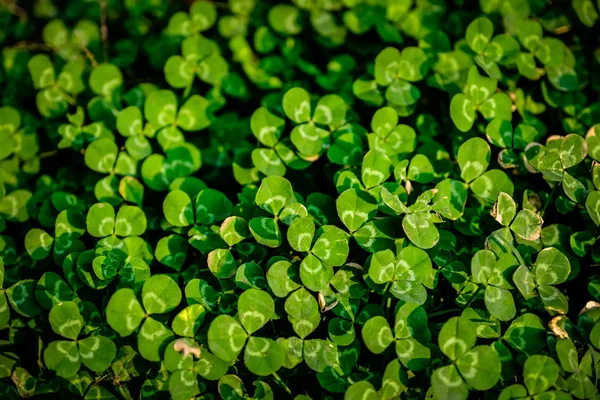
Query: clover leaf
(540,373)
(550,52)
(200,57)
(273,195)
(268,128)
(579,383)
(364,163)
(130,124)
(65,357)
(410,273)
(262,356)
(479,95)
(160,109)
(124,313)
(501,49)
(397,70)
(55,91)
(76,134)
(490,272)
(472,367)
(551,268)
(410,334)
(388,136)
(308,137)
(201,17)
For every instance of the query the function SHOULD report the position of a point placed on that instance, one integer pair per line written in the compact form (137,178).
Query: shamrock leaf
(488,271)
(540,373)
(411,335)
(124,313)
(308,137)
(130,124)
(76,134)
(473,158)
(410,274)
(268,128)
(129,221)
(355,208)
(160,110)
(201,17)
(273,195)
(55,92)
(200,57)
(479,95)
(397,70)
(105,79)
(579,382)
(65,357)
(261,356)
(551,268)
(330,249)
(472,368)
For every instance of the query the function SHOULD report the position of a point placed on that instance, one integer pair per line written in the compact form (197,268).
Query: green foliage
(330,199)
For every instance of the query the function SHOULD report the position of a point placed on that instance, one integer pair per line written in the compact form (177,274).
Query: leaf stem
(47,154)
(14,9)
(385,292)
(87,51)
(550,196)
(512,248)
(474,296)
(103,29)
(69,99)
(442,312)
(281,383)
(388,306)
(23,45)
(188,88)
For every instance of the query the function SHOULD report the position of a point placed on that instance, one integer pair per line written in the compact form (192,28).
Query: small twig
(220,4)
(33,46)
(103,29)
(14,9)
(48,154)
(87,51)
(562,29)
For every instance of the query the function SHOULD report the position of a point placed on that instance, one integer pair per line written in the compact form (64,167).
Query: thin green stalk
(281,383)
(103,30)
(66,96)
(86,51)
(47,154)
(385,292)
(496,236)
(442,312)
(550,197)
(188,88)
(472,299)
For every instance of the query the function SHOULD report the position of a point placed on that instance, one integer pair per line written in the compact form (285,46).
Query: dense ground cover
(316,199)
